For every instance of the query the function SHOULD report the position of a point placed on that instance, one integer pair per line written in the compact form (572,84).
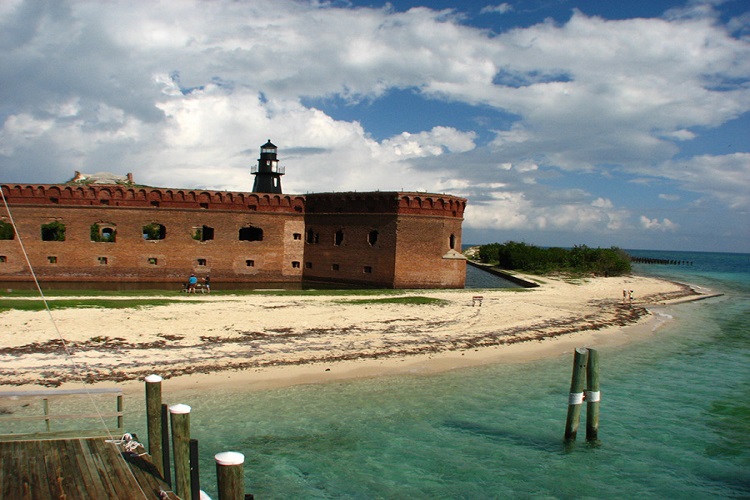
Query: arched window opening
(203,233)
(453,241)
(251,234)
(311,237)
(109,234)
(103,232)
(6,231)
(338,238)
(154,232)
(372,237)
(54,231)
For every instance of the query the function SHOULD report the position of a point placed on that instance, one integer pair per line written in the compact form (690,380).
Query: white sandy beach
(271,340)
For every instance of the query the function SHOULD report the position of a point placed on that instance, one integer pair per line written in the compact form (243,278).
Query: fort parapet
(148,197)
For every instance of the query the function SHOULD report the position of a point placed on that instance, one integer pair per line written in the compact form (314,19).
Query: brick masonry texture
(383,239)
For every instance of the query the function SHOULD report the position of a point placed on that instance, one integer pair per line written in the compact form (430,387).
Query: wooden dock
(75,468)
(101,461)
(57,462)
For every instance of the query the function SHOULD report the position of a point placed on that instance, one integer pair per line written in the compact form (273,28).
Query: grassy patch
(38,305)
(215,290)
(86,293)
(408,300)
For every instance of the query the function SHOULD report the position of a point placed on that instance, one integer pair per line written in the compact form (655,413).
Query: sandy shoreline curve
(268,340)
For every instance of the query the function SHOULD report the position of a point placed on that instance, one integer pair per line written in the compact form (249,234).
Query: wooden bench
(199,287)
(476,299)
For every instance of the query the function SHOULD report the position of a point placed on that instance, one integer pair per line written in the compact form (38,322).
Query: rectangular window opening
(153,261)
(3,259)
(201,262)
(308,265)
(295,264)
(334,267)
(52,259)
(250,263)
(102,260)
(367,270)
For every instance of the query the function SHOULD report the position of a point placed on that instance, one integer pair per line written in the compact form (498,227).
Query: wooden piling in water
(592,397)
(180,420)
(230,475)
(195,476)
(154,422)
(165,459)
(575,399)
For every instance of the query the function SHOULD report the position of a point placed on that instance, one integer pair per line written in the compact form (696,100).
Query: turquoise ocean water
(675,418)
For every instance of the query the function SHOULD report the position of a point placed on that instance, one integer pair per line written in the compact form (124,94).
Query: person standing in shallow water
(207,283)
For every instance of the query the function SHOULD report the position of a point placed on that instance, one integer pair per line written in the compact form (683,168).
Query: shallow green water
(675,421)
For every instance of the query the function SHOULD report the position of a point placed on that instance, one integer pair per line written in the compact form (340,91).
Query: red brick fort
(107,228)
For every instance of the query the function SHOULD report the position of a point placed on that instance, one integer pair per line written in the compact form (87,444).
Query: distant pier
(671,262)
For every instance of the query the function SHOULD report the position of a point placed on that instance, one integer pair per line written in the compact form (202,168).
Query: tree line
(577,260)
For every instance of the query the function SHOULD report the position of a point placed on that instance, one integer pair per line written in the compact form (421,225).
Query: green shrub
(577,260)
(6,231)
(54,231)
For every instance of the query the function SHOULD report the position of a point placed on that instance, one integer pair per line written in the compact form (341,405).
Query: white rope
(76,371)
(128,443)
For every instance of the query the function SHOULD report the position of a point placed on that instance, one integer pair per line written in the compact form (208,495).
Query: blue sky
(562,122)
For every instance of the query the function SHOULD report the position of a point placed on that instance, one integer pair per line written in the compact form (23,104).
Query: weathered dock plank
(74,468)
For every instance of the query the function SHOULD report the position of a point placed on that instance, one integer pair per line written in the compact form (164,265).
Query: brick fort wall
(384,239)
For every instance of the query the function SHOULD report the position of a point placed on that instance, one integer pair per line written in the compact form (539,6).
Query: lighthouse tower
(268,172)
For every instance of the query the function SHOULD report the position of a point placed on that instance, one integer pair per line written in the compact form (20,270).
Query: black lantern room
(268,172)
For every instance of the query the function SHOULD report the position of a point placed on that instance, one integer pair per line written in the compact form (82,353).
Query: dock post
(575,399)
(120,421)
(45,405)
(180,419)
(165,444)
(230,475)
(195,476)
(592,397)
(153,421)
